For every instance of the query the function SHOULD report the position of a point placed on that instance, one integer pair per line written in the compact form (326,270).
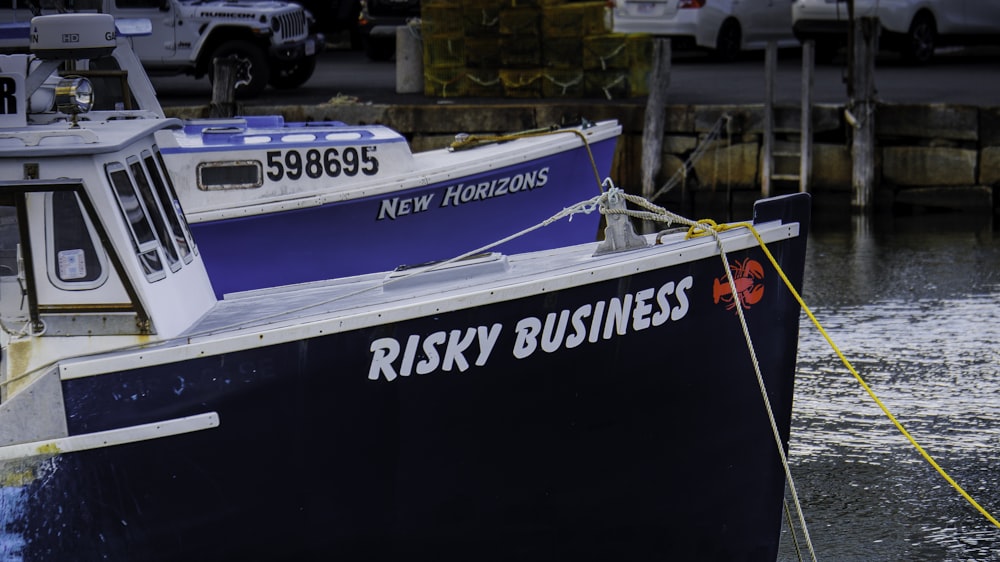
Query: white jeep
(271,40)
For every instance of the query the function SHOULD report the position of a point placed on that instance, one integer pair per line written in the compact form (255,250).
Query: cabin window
(74,260)
(240,174)
(10,238)
(171,205)
(12,303)
(143,238)
(156,213)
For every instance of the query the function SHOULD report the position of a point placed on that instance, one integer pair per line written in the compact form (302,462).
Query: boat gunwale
(458,164)
(580,268)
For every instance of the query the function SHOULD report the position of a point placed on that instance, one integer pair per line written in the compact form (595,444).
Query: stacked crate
(612,65)
(444,57)
(481,22)
(530,49)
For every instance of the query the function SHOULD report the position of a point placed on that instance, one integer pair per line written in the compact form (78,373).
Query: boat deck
(349,301)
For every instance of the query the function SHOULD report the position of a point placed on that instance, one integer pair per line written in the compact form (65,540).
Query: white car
(725,27)
(913,28)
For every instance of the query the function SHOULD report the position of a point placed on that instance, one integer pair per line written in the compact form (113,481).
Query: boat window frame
(147,251)
(52,256)
(15,277)
(158,217)
(164,185)
(15,193)
(257,165)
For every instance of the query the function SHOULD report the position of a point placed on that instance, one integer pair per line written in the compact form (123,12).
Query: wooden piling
(770,72)
(805,141)
(654,121)
(861,113)
(223,103)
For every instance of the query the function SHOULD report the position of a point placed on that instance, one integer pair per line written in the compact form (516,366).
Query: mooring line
(885,410)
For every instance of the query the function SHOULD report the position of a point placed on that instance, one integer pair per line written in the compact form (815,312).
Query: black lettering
(350,161)
(293,164)
(330,162)
(314,168)
(275,170)
(8,95)
(368,158)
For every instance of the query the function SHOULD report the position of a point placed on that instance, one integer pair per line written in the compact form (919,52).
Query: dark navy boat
(593,401)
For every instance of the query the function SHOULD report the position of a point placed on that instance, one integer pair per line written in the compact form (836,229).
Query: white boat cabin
(227,164)
(93,241)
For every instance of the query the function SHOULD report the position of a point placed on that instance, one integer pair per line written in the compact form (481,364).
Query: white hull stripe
(325,323)
(111,437)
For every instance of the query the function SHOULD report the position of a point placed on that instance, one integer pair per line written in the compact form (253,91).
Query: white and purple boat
(593,401)
(270,201)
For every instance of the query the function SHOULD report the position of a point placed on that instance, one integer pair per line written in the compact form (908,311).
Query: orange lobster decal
(746,275)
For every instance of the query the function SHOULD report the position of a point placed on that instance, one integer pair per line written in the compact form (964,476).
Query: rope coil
(466,141)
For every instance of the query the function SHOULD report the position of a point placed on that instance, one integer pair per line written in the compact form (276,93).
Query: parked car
(912,28)
(333,16)
(271,41)
(378,22)
(724,27)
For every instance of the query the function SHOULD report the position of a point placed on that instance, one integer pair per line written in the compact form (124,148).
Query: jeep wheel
(294,74)
(252,72)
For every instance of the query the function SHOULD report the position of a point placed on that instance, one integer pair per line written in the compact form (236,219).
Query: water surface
(914,304)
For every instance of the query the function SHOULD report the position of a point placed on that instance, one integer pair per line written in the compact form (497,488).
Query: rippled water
(914,304)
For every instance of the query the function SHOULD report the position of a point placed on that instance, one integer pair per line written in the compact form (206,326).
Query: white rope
(699,151)
(656,213)
(25,330)
(763,391)
(586,207)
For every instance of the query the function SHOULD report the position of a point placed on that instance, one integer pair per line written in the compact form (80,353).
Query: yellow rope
(760,377)
(843,359)
(470,141)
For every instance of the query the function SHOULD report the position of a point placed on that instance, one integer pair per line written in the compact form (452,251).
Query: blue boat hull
(642,445)
(435,222)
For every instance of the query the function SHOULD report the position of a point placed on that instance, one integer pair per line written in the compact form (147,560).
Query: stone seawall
(927,156)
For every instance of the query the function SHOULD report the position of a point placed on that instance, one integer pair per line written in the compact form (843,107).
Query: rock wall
(927,156)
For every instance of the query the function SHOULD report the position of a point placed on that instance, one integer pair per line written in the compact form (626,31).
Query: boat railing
(35,138)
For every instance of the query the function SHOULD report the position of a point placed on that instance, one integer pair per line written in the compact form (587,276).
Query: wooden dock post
(805,141)
(861,112)
(654,121)
(223,103)
(770,72)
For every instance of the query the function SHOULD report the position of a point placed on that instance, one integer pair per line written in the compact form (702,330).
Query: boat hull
(643,438)
(406,227)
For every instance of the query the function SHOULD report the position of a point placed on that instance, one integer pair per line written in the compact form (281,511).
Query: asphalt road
(957,76)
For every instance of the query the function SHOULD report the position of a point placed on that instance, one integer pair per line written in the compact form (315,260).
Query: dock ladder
(782,158)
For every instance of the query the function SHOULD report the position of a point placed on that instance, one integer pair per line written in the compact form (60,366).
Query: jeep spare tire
(251,69)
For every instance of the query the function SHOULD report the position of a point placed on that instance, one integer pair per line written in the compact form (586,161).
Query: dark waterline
(914,304)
